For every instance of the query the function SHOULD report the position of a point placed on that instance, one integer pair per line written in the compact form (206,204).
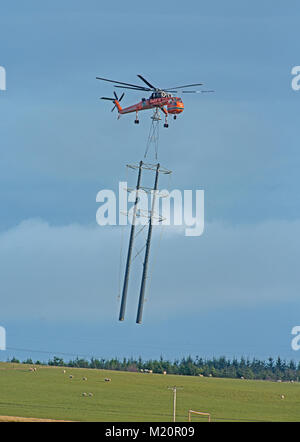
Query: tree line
(271,369)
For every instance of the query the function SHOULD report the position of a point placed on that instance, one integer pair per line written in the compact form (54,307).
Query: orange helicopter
(158,99)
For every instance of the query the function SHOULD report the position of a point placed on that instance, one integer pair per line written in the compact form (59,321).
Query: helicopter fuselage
(174,105)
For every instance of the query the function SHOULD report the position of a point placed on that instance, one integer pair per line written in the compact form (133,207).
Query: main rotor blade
(135,88)
(147,82)
(121,96)
(119,82)
(195,92)
(115,95)
(182,87)
(105,98)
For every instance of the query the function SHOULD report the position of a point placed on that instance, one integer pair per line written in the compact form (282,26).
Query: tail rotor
(114,99)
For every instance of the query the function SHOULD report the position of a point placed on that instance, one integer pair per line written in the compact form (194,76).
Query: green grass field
(50,393)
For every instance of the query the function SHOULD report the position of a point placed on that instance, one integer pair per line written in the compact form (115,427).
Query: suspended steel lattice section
(151,215)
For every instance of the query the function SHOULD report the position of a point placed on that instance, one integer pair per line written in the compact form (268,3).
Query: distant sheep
(91,394)
(84,379)
(84,394)
(107,379)
(71,377)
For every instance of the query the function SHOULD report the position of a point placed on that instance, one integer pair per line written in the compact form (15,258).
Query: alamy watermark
(2,79)
(2,338)
(295,344)
(175,208)
(296,78)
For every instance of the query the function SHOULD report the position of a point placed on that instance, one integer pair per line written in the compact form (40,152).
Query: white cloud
(72,271)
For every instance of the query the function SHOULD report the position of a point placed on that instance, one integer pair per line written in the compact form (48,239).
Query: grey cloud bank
(73,271)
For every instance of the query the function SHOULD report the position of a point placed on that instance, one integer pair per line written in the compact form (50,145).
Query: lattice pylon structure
(157,169)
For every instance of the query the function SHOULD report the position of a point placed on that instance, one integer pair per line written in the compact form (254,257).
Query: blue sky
(232,291)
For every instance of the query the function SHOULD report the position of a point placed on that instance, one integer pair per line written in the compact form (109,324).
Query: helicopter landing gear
(136,121)
(166,120)
(175,116)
